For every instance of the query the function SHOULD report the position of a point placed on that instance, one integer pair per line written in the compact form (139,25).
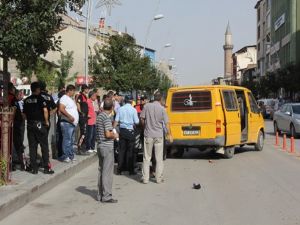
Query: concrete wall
(73,39)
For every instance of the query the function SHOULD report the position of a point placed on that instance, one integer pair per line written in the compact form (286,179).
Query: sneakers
(90,151)
(160,181)
(48,171)
(110,201)
(94,150)
(67,160)
(74,160)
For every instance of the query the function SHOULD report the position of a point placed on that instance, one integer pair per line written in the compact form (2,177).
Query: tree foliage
(45,72)
(287,78)
(65,64)
(27,28)
(120,66)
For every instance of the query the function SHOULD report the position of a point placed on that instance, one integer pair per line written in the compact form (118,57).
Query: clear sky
(195,28)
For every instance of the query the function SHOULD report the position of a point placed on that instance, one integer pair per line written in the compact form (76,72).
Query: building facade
(243,60)
(278,34)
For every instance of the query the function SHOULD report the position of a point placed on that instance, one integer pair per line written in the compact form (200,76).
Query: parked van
(216,117)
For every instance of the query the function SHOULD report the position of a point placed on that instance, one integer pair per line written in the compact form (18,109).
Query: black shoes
(110,201)
(34,171)
(132,173)
(119,172)
(48,171)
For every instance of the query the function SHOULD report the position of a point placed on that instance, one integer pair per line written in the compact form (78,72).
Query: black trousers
(83,132)
(127,156)
(59,139)
(37,133)
(18,139)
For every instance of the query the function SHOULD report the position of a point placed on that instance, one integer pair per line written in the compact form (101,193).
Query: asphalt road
(252,188)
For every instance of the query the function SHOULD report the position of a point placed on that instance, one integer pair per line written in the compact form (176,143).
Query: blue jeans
(68,133)
(90,138)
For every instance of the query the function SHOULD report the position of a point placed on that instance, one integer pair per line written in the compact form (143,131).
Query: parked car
(287,119)
(217,117)
(268,106)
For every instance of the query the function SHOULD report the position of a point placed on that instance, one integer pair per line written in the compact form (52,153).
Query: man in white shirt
(68,121)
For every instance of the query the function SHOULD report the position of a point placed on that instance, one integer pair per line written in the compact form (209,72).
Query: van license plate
(191,132)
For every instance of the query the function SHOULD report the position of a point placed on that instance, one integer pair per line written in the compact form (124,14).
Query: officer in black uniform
(51,106)
(36,112)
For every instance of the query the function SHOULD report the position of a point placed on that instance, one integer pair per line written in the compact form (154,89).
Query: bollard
(292,150)
(277,139)
(284,143)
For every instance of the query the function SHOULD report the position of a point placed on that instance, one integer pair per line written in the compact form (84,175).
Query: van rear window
(191,101)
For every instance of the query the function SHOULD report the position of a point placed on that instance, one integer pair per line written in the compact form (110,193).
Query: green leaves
(27,28)
(120,66)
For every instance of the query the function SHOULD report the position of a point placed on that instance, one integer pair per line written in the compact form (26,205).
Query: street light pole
(87,31)
(157,17)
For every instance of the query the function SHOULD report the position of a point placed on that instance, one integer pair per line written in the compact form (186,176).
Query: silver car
(287,119)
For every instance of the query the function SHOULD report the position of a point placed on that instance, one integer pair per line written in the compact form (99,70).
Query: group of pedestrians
(155,122)
(115,122)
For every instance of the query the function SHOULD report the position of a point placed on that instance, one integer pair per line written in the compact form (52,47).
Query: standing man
(68,121)
(36,112)
(127,118)
(51,106)
(82,107)
(91,128)
(19,129)
(105,138)
(153,118)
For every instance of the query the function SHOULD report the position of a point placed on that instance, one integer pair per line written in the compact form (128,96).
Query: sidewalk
(25,186)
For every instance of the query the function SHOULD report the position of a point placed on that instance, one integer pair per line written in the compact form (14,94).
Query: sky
(194,28)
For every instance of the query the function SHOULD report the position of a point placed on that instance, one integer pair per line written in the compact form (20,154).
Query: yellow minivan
(215,117)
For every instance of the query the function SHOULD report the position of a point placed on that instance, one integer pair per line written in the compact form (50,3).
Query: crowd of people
(116,122)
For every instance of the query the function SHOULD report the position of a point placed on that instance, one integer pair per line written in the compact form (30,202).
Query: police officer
(51,106)
(127,117)
(36,112)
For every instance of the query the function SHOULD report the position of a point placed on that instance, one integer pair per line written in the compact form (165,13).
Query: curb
(40,187)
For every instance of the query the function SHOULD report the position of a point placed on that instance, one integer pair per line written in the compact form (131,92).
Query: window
(191,101)
(258,14)
(230,100)
(296,109)
(258,32)
(253,105)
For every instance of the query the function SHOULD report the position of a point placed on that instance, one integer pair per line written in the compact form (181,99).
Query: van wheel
(229,152)
(179,152)
(260,142)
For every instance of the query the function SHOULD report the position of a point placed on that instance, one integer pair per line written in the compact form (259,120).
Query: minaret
(228,70)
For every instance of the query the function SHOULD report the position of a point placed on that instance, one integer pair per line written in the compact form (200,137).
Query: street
(252,188)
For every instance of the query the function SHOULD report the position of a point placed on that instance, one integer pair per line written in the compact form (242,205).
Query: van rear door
(232,120)
(190,114)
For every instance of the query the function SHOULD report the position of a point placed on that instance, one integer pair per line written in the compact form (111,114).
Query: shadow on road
(196,154)
(84,190)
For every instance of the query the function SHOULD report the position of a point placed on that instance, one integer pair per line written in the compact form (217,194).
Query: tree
(120,66)
(27,31)
(65,64)
(165,84)
(46,73)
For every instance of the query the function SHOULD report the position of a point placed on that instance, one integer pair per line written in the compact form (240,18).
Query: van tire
(259,145)
(179,152)
(229,152)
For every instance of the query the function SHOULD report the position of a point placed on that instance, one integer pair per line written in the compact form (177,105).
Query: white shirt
(71,107)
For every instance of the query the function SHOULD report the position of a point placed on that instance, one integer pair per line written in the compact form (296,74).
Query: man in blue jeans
(68,121)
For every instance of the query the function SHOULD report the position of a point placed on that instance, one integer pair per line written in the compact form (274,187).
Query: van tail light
(218,126)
